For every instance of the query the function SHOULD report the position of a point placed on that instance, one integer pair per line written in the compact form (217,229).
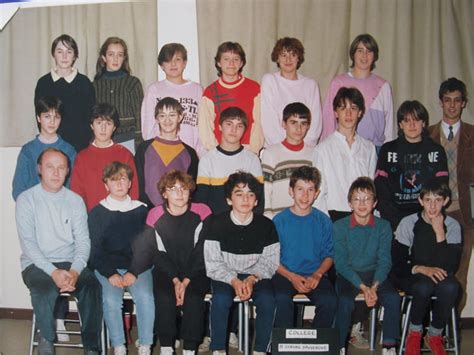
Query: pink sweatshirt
(189,96)
(277,92)
(377,123)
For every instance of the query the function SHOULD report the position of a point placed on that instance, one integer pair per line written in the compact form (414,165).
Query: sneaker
(389,351)
(45,347)
(413,343)
(233,341)
(435,344)
(342,351)
(218,352)
(259,353)
(144,350)
(120,350)
(62,327)
(166,350)
(204,346)
(188,352)
(357,339)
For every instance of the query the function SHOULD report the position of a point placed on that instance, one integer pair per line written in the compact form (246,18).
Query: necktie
(451,134)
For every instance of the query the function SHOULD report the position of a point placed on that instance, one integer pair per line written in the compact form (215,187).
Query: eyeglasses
(177,189)
(362,199)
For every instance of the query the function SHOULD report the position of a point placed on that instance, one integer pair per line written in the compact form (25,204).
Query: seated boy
(344,155)
(306,253)
(173,59)
(426,256)
(156,156)
(281,159)
(362,245)
(48,116)
(225,159)
(241,252)
(86,178)
(231,89)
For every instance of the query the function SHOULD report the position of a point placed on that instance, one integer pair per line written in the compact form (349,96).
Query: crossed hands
(65,280)
(117,280)
(305,284)
(370,294)
(244,288)
(436,274)
(180,289)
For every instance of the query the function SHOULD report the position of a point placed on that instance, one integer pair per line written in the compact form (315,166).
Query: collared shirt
(445,128)
(340,164)
(69,78)
(354,223)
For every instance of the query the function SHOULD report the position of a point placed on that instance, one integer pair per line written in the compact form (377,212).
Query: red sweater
(243,93)
(86,178)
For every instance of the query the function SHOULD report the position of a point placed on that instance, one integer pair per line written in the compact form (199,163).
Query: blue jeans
(112,302)
(323,297)
(388,297)
(222,298)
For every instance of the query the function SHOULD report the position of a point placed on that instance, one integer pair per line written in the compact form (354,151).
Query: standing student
(241,252)
(72,88)
(48,116)
(281,159)
(156,156)
(377,123)
(86,178)
(459,147)
(232,89)
(306,253)
(114,84)
(286,86)
(362,244)
(173,244)
(344,155)
(406,163)
(114,224)
(173,59)
(426,256)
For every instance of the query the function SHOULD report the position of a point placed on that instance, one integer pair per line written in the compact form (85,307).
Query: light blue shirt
(52,228)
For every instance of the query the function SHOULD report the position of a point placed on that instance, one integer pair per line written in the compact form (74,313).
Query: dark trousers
(193,311)
(421,288)
(44,294)
(222,298)
(388,297)
(323,297)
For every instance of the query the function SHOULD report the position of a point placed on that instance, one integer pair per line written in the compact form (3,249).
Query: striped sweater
(125,93)
(231,249)
(278,163)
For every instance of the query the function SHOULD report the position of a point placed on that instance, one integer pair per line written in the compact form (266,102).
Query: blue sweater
(52,228)
(305,241)
(26,172)
(362,248)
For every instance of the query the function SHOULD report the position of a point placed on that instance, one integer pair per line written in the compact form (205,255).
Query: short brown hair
(168,180)
(288,44)
(369,42)
(362,183)
(234,112)
(69,42)
(233,47)
(306,173)
(116,169)
(170,103)
(168,51)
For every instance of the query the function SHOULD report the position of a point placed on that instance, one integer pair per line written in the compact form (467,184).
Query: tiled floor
(15,338)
